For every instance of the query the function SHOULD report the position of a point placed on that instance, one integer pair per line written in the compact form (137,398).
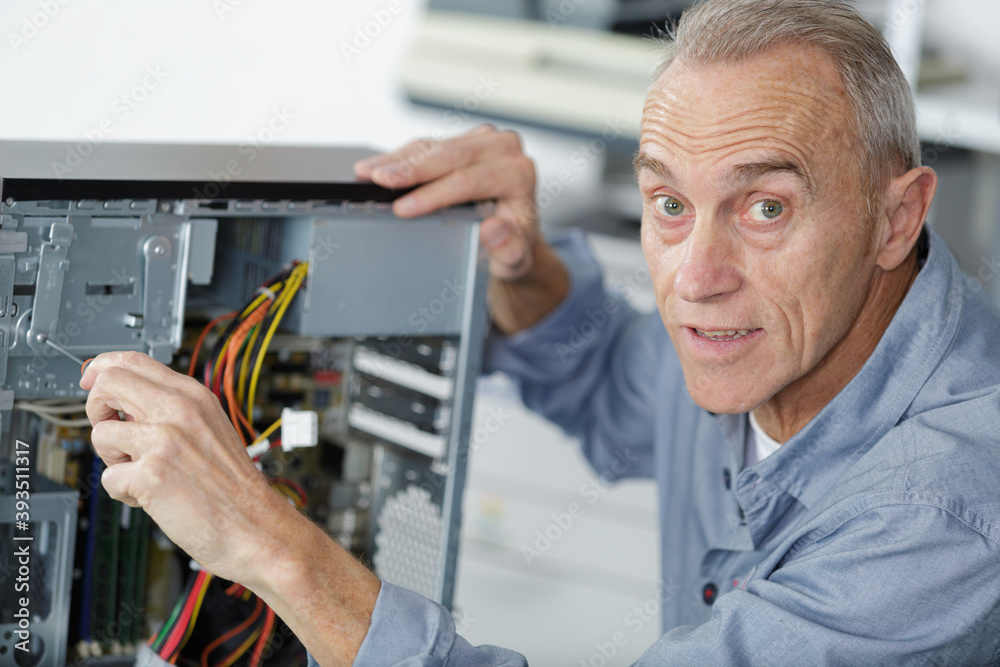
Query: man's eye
(669,206)
(766,210)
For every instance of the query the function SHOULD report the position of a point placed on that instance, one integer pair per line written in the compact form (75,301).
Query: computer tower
(133,247)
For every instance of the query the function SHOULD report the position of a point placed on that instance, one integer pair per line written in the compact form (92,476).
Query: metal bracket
(7,335)
(157,292)
(13,242)
(52,266)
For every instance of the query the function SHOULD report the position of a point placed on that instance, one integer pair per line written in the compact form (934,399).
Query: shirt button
(726,478)
(708,593)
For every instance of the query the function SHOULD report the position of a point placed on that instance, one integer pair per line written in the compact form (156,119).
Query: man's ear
(907,200)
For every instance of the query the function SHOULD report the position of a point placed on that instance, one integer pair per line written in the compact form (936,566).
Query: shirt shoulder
(947,458)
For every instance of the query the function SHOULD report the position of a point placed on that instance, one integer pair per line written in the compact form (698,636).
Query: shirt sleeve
(410,630)
(585,366)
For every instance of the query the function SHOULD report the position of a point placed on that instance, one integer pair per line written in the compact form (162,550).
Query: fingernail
(405,205)
(387,170)
(497,236)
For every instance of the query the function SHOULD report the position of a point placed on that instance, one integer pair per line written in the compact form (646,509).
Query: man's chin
(725,400)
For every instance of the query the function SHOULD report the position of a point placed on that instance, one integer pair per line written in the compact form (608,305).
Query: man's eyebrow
(643,161)
(749,172)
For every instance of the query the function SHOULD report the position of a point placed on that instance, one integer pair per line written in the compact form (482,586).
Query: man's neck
(788,411)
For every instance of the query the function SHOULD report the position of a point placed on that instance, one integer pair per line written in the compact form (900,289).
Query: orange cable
(204,334)
(265,639)
(232,633)
(235,342)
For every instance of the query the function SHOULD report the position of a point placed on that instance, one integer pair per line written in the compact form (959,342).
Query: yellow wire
(194,613)
(289,493)
(295,279)
(246,311)
(238,653)
(268,431)
(249,349)
(245,365)
(219,360)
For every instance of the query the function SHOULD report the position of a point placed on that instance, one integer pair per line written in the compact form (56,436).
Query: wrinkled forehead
(788,97)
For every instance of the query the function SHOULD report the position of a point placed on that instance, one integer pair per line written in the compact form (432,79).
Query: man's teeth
(733,334)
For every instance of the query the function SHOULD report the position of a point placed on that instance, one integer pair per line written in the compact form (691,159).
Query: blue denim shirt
(871,537)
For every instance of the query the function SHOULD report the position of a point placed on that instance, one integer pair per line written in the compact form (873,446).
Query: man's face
(754,225)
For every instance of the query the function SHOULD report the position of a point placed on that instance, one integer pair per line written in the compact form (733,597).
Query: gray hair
(885,125)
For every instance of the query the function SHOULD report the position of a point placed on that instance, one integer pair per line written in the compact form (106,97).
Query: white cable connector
(264,289)
(258,448)
(299,428)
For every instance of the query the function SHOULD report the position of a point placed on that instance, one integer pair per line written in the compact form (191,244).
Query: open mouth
(721,336)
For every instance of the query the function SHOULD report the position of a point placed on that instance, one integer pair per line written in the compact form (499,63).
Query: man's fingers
(500,178)
(117,481)
(134,383)
(117,441)
(115,388)
(509,248)
(412,152)
(425,160)
(104,404)
(142,365)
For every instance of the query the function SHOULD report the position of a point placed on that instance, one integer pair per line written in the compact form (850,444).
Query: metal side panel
(380,294)
(417,500)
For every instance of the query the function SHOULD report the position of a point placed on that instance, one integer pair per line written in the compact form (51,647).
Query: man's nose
(708,268)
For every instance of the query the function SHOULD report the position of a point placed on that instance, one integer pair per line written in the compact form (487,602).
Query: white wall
(226,65)
(967,29)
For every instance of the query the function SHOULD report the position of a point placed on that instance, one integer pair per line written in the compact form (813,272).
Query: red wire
(298,489)
(232,633)
(235,342)
(201,338)
(217,382)
(264,640)
(182,623)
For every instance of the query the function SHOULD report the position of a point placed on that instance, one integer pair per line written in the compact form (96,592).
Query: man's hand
(528,279)
(177,456)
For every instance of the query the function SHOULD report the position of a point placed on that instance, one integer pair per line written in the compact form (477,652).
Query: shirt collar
(806,466)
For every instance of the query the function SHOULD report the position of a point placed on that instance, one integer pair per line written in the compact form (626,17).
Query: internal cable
(232,633)
(201,339)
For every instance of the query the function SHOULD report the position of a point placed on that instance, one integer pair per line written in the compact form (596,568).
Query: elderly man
(821,409)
